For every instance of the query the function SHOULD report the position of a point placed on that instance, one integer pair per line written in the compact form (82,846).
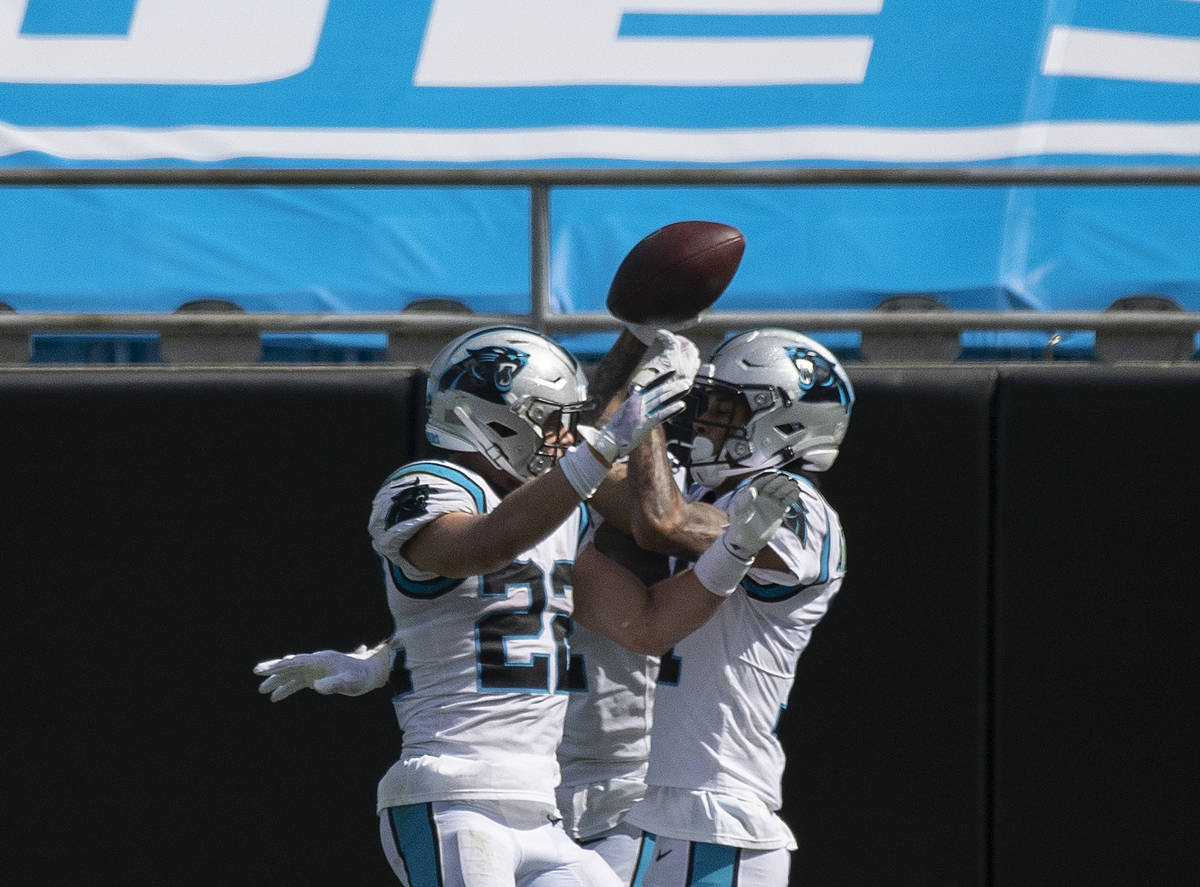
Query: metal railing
(408,330)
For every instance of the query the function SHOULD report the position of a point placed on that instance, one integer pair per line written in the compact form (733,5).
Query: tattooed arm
(612,375)
(662,520)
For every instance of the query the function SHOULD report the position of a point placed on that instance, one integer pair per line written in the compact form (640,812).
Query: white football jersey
(722,689)
(606,740)
(481,663)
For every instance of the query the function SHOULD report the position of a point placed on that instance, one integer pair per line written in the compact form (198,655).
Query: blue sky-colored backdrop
(537,83)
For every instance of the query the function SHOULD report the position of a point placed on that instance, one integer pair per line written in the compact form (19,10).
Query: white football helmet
(799,398)
(499,391)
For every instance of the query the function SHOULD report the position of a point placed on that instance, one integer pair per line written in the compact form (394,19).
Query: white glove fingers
(267,666)
(674,407)
(285,690)
(782,489)
(757,511)
(669,355)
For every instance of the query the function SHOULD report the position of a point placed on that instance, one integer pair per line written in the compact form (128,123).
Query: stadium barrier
(1136,331)
(1002,694)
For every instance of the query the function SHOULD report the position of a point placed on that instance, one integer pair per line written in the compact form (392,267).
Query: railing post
(539,255)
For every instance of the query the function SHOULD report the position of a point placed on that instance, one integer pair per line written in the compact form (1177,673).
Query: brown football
(674,273)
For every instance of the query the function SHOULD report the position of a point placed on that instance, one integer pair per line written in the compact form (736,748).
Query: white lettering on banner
(170,42)
(1121,55)
(854,143)
(492,43)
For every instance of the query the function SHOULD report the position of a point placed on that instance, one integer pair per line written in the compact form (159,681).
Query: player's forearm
(669,612)
(612,601)
(611,499)
(611,376)
(459,545)
(661,519)
(525,517)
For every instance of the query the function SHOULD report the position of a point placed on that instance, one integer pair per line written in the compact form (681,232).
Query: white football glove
(326,672)
(755,513)
(656,394)
(645,332)
(668,353)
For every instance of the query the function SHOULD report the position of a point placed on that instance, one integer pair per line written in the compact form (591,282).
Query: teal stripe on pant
(645,854)
(713,865)
(416,841)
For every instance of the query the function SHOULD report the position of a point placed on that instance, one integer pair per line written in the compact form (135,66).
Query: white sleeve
(410,500)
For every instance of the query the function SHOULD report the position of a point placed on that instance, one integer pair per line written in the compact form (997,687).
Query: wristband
(720,570)
(583,470)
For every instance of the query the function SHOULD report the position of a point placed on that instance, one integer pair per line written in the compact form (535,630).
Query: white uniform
(606,747)
(481,663)
(479,678)
(606,742)
(716,765)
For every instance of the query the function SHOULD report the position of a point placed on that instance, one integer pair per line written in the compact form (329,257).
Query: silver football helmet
(500,391)
(799,398)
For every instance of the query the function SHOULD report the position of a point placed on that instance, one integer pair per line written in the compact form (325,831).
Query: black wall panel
(162,532)
(885,780)
(1097,628)
(1002,694)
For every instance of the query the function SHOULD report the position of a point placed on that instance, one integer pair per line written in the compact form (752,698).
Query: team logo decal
(818,380)
(796,520)
(408,503)
(485,372)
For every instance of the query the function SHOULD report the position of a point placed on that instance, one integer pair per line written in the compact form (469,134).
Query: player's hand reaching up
(669,356)
(755,513)
(326,672)
(655,394)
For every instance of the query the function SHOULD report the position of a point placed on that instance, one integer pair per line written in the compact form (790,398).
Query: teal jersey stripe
(645,854)
(430,588)
(773,592)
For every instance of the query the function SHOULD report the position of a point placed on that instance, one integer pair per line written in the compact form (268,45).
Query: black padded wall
(885,781)
(1001,695)
(1097,627)
(162,532)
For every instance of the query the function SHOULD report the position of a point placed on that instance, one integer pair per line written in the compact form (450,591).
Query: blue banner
(614,83)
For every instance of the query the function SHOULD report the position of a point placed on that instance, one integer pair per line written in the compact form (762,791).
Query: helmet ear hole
(790,428)
(502,430)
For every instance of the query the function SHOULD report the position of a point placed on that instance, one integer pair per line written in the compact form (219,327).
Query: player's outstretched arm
(612,601)
(660,518)
(655,394)
(613,374)
(460,544)
(326,672)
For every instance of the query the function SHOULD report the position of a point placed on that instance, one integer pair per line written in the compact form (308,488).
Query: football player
(767,400)
(477,548)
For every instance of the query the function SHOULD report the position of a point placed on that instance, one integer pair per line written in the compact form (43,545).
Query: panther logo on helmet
(817,376)
(487,372)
